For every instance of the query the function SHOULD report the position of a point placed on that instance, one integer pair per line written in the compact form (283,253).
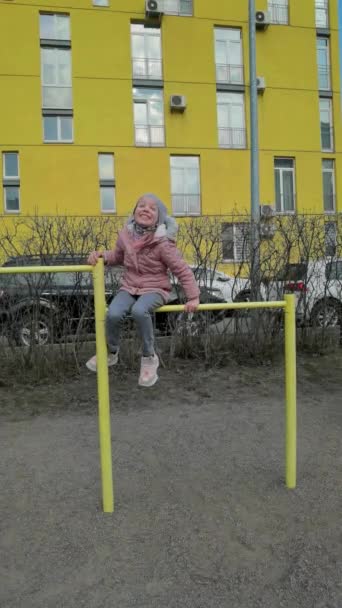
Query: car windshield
(333,271)
(208,275)
(293,272)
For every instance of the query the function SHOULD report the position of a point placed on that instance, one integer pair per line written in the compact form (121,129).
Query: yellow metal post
(103,389)
(289,307)
(291,391)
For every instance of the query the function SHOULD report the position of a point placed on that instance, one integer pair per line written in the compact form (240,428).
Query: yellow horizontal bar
(44,269)
(168,308)
(228,306)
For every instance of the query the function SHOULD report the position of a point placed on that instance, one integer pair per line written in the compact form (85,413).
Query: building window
(279,11)
(11,181)
(228,56)
(107,182)
(322,14)
(146,52)
(330,238)
(185,185)
(231,120)
(54,26)
(326,118)
(323,61)
(148,117)
(55,50)
(178,7)
(329,190)
(57,128)
(235,242)
(56,78)
(101,2)
(284,172)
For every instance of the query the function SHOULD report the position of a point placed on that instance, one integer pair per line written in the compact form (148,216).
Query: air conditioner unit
(262,20)
(153,8)
(261,84)
(267,231)
(177,103)
(266,211)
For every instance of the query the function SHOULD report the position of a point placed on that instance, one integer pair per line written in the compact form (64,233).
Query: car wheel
(327,313)
(32,328)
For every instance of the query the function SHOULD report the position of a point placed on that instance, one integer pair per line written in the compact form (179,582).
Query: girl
(146,249)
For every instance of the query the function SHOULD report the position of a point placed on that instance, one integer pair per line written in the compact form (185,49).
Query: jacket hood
(167,225)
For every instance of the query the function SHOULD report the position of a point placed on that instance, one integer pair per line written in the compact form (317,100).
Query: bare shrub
(51,315)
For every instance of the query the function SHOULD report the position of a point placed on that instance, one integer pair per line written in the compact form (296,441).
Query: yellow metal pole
(103,389)
(291,391)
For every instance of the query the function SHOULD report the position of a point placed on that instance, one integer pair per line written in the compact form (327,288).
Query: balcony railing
(329,203)
(322,14)
(327,138)
(279,13)
(285,203)
(57,97)
(324,78)
(149,69)
(177,7)
(229,73)
(232,138)
(147,135)
(186,204)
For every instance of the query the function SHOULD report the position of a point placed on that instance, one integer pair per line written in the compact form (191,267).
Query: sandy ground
(202,518)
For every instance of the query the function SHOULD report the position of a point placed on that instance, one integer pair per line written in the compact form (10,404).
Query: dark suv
(44,308)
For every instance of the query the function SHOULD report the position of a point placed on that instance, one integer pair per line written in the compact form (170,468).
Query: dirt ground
(202,520)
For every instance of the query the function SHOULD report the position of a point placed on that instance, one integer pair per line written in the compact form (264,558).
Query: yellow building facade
(86,124)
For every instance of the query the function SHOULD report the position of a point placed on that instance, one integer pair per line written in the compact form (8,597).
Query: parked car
(224,286)
(44,308)
(317,286)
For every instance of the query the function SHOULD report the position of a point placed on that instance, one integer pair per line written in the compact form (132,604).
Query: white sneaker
(112,359)
(148,371)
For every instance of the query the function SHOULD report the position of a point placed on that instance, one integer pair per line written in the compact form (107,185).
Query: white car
(317,286)
(230,289)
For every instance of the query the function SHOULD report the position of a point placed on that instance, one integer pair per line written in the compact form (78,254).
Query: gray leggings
(140,308)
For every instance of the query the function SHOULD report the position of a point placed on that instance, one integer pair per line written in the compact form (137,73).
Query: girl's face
(146,212)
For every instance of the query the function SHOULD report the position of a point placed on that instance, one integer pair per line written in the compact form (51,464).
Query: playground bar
(102,370)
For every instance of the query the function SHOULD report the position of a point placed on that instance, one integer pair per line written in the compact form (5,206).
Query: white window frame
(326,69)
(328,101)
(228,67)
(240,230)
(59,129)
(101,3)
(10,181)
(149,127)
(330,171)
(108,182)
(186,196)
(148,62)
(173,7)
(281,171)
(279,11)
(55,17)
(57,86)
(322,8)
(9,177)
(237,141)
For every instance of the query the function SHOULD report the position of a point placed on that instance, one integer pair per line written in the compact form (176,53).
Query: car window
(293,272)
(333,271)
(10,281)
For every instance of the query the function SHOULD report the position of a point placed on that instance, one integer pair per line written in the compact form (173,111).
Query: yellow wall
(63,178)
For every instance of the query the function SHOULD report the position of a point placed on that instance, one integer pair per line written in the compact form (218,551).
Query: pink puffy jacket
(146,263)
